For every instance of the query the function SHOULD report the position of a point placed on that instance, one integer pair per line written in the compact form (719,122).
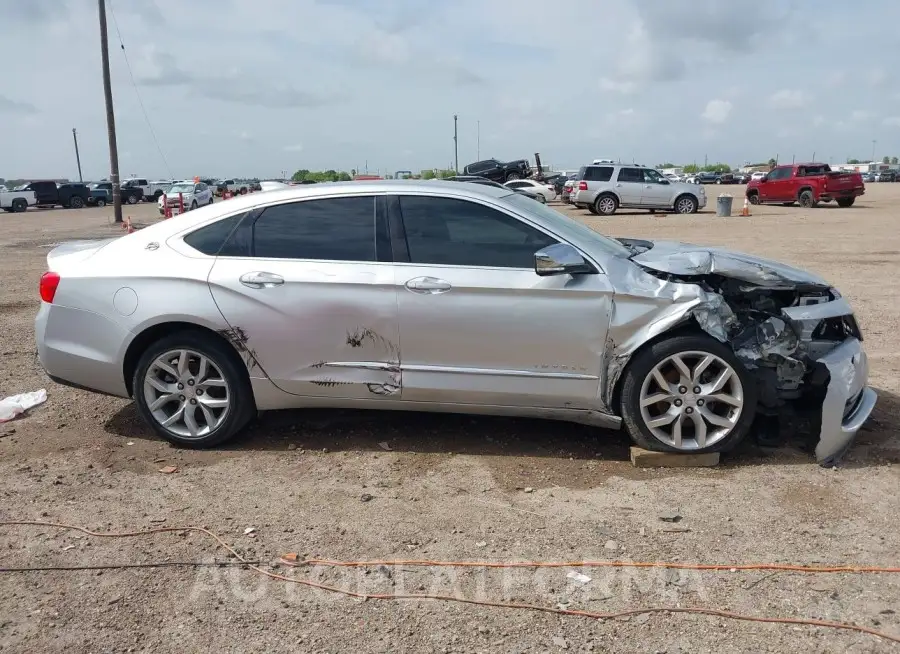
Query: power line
(136,92)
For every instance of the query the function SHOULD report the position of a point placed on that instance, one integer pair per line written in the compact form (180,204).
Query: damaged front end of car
(796,335)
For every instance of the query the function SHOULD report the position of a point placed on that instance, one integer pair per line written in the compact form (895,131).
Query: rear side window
(598,173)
(335,229)
(631,175)
(210,238)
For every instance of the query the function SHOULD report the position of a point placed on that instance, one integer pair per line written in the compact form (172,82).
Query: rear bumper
(847,193)
(81,348)
(848,400)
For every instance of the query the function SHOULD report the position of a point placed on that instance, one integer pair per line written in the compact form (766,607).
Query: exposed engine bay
(792,331)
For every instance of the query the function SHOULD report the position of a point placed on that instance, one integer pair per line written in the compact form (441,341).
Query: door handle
(261,279)
(618,186)
(428,285)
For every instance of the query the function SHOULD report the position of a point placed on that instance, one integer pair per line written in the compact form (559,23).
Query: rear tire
(76,203)
(606,205)
(101,203)
(132,199)
(512,177)
(193,205)
(639,384)
(223,360)
(807,200)
(845,202)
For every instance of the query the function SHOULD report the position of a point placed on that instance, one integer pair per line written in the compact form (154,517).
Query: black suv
(499,171)
(51,194)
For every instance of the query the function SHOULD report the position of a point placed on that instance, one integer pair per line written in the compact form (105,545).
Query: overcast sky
(254,87)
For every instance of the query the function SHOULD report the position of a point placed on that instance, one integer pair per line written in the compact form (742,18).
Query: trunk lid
(836,180)
(67,254)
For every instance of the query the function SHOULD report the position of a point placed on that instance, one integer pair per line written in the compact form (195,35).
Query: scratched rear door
(311,299)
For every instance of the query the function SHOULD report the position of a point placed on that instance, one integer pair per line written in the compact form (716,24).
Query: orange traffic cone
(746,210)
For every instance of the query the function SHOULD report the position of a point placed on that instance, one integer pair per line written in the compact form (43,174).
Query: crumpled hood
(686,259)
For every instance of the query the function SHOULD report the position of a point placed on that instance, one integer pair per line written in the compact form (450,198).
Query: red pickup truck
(806,183)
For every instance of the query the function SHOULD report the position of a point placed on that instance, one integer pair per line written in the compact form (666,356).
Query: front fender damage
(793,332)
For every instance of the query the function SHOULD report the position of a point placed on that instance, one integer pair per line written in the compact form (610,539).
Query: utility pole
(873,149)
(455,147)
(110,116)
(478,141)
(77,156)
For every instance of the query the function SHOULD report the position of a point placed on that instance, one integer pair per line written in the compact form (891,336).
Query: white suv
(602,189)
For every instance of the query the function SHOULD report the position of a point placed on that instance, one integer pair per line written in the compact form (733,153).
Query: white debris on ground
(14,405)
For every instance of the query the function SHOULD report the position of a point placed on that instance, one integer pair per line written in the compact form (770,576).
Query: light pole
(478,141)
(110,116)
(455,147)
(77,156)
(873,150)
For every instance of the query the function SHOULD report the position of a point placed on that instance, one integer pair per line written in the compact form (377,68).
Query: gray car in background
(605,188)
(445,296)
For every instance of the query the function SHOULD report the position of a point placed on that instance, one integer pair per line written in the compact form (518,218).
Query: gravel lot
(450,488)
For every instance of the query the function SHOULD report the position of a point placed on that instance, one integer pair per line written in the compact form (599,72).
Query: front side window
(333,229)
(652,177)
(448,231)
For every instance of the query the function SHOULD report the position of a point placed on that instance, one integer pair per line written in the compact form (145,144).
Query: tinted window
(631,175)
(598,173)
(339,229)
(517,185)
(210,238)
(652,177)
(461,233)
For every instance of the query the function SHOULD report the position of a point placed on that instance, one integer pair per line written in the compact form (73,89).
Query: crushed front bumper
(848,400)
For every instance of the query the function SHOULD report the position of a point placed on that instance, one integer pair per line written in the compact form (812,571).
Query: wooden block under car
(641,458)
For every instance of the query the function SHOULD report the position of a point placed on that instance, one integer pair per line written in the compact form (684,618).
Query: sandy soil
(450,488)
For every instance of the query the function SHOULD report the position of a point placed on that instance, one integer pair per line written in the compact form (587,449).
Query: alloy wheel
(691,400)
(186,393)
(606,205)
(685,205)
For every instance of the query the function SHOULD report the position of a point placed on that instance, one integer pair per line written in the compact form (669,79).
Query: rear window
(210,238)
(598,173)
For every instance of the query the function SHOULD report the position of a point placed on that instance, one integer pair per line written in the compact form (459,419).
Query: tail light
(582,186)
(49,283)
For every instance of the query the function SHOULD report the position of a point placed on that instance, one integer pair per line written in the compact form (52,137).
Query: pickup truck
(70,195)
(499,171)
(150,191)
(234,186)
(131,195)
(806,183)
(16,201)
(99,197)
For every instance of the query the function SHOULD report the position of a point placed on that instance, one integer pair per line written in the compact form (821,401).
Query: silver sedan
(445,296)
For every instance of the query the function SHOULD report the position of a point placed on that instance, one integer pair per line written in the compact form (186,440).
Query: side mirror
(664,181)
(560,259)
(764,178)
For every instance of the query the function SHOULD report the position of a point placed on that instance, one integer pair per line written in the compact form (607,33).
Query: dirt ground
(321,484)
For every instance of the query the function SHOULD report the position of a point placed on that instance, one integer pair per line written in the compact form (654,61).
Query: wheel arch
(612,194)
(686,194)
(805,188)
(153,333)
(689,327)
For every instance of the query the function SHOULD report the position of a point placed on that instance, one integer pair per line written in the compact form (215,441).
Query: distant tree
(427,174)
(666,165)
(853,161)
(690,169)
(895,161)
(304,175)
(344,177)
(772,162)
(886,160)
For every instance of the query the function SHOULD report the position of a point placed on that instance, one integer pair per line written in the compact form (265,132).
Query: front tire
(193,205)
(192,390)
(19,205)
(687,394)
(76,203)
(686,204)
(101,203)
(512,177)
(754,198)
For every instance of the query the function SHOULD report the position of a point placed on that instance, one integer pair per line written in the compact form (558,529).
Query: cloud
(16,107)
(818,120)
(614,86)
(717,111)
(297,147)
(892,121)
(861,114)
(789,99)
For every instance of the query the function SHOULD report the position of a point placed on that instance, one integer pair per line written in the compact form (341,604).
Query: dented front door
(323,328)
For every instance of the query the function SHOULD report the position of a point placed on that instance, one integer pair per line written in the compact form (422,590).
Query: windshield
(565,225)
(182,188)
